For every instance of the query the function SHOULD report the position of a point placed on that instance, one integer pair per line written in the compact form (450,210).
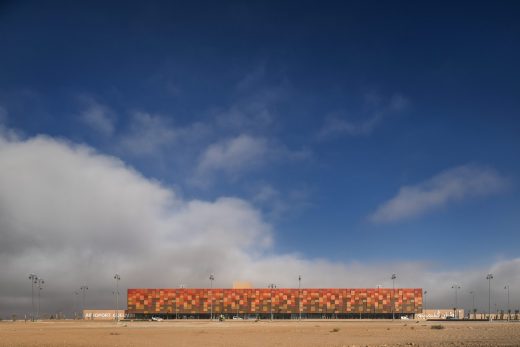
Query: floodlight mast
(393,277)
(489,277)
(40,283)
(211,279)
(83,289)
(271,286)
(34,280)
(506,287)
(424,301)
(117,278)
(455,309)
(473,303)
(299,297)
(75,303)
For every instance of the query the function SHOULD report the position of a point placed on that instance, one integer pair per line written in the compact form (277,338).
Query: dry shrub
(335,330)
(438,327)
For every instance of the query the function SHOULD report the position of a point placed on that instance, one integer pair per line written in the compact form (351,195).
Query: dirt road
(262,333)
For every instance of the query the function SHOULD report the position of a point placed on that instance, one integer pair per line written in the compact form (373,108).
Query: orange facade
(279,301)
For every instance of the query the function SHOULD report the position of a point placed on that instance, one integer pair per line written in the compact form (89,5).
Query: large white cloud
(75,217)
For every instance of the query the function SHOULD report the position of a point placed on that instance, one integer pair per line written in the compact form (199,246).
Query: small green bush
(438,327)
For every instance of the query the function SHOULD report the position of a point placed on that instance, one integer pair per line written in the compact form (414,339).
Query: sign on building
(103,314)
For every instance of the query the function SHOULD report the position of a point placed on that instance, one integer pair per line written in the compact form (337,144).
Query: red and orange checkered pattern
(284,300)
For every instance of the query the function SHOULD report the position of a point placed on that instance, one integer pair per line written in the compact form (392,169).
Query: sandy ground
(262,333)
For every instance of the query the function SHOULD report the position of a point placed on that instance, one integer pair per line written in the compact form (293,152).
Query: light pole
(34,280)
(83,289)
(75,303)
(394,276)
(117,278)
(424,301)
(489,277)
(473,302)
(455,311)
(175,304)
(299,297)
(211,279)
(271,286)
(376,302)
(181,286)
(237,294)
(40,283)
(508,310)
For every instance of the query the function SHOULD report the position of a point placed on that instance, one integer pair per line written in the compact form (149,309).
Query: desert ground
(261,333)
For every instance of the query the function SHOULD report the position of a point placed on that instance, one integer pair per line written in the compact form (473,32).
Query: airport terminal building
(278,303)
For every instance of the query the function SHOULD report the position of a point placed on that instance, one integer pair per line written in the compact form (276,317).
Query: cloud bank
(76,217)
(451,185)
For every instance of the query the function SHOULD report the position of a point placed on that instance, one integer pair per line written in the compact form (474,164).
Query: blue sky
(360,132)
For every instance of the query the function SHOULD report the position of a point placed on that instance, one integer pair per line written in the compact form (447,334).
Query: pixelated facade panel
(264,301)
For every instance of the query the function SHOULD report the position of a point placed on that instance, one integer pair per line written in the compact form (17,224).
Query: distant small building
(103,314)
(441,314)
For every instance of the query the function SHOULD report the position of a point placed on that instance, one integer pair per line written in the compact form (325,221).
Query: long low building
(280,303)
(107,314)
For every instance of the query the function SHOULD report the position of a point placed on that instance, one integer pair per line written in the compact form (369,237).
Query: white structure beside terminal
(103,314)
(441,314)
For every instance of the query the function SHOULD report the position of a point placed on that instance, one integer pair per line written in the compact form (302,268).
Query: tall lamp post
(211,279)
(83,289)
(300,297)
(40,283)
(394,276)
(75,303)
(424,301)
(117,278)
(506,287)
(181,286)
(271,286)
(489,277)
(237,294)
(34,280)
(455,311)
(473,304)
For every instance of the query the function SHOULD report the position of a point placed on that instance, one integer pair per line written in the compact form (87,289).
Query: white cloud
(238,155)
(376,110)
(234,155)
(448,186)
(97,116)
(76,217)
(252,111)
(336,126)
(279,204)
(149,134)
